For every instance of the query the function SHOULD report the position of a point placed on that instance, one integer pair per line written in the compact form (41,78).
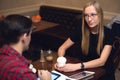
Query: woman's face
(91,17)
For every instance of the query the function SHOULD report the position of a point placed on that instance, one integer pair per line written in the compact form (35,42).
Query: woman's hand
(44,75)
(68,67)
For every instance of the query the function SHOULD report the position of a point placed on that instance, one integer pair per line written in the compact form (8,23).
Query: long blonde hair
(86,31)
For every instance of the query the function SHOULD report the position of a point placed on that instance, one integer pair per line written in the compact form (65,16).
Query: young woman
(95,41)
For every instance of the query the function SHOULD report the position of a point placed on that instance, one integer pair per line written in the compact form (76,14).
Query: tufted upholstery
(116,49)
(69,18)
(52,38)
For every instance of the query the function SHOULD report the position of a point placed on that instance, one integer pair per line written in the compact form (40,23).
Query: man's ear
(23,37)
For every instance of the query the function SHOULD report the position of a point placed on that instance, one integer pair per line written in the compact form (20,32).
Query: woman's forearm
(64,47)
(61,51)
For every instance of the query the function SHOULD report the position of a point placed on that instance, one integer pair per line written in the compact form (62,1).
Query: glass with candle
(49,58)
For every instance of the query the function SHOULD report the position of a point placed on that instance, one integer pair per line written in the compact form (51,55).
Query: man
(16,32)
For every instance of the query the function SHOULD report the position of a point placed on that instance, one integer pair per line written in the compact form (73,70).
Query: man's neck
(17,47)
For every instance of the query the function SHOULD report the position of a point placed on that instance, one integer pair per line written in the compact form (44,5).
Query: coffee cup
(61,61)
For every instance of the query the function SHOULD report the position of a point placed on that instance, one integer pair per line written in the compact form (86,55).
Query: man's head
(16,29)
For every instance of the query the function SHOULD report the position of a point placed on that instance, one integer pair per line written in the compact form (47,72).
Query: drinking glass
(49,58)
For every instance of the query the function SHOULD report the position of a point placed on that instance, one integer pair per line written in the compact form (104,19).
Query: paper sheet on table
(62,76)
(78,76)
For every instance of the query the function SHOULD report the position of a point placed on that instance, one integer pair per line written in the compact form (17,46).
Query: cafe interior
(55,20)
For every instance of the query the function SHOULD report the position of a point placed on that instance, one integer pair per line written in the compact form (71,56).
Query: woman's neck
(94,30)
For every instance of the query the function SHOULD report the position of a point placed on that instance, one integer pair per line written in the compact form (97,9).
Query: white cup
(61,61)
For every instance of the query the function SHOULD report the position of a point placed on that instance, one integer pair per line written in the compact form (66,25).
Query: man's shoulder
(12,65)
(10,62)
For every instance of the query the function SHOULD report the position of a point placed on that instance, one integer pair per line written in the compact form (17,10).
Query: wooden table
(42,25)
(46,65)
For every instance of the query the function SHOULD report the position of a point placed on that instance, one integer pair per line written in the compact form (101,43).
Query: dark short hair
(13,26)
